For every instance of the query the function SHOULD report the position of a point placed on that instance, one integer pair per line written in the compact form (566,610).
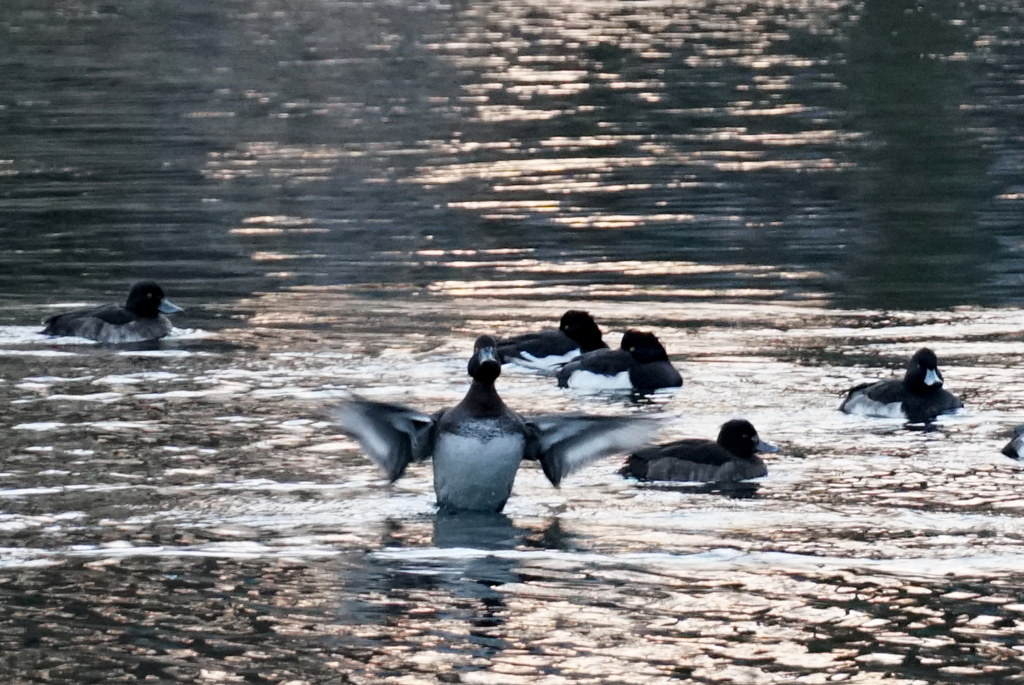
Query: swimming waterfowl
(1015,448)
(640,363)
(140,319)
(733,457)
(917,397)
(546,350)
(477,446)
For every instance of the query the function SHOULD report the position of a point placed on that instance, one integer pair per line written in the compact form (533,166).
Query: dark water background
(793,195)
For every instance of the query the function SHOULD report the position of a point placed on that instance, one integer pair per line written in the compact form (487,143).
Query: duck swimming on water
(733,457)
(640,364)
(917,397)
(140,319)
(547,350)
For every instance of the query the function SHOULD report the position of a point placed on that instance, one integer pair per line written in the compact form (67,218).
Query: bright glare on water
(794,196)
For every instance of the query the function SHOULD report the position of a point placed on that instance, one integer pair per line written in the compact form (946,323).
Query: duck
(640,364)
(547,350)
(140,319)
(478,445)
(730,458)
(918,397)
(1015,448)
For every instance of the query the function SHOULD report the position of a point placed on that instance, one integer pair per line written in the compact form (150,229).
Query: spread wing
(392,436)
(565,444)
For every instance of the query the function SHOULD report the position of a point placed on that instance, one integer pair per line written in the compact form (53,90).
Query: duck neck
(589,343)
(147,310)
(482,399)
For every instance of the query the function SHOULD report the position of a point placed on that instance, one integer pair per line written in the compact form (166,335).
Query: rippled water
(794,196)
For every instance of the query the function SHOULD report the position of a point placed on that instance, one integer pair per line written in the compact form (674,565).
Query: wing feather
(567,443)
(392,436)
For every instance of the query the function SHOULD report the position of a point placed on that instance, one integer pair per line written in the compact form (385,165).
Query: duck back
(693,460)
(110,324)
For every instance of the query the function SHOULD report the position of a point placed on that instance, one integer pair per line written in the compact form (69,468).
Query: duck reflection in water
(493,532)
(474,554)
(496,531)
(478,445)
(476,530)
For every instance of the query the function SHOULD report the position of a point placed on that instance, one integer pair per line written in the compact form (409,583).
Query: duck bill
(487,356)
(932,378)
(485,364)
(766,447)
(168,307)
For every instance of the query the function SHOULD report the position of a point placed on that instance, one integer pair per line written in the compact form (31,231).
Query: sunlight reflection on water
(794,196)
(860,553)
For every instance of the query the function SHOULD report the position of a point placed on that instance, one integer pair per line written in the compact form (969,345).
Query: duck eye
(632,349)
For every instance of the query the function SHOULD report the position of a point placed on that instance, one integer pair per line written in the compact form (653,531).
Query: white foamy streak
(36,353)
(189,334)
(162,353)
(103,425)
(31,335)
(28,492)
(132,378)
(39,426)
(91,397)
(727,559)
(222,389)
(25,558)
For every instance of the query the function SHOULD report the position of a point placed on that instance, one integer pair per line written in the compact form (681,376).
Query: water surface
(793,196)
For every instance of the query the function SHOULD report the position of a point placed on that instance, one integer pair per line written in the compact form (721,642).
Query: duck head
(739,437)
(643,347)
(485,364)
(582,329)
(146,299)
(923,371)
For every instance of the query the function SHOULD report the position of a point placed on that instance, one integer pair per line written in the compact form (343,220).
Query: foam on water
(32,335)
(728,560)
(35,353)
